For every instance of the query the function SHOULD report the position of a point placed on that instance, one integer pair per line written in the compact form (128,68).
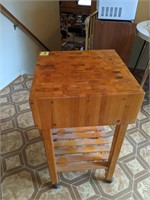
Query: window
(84,2)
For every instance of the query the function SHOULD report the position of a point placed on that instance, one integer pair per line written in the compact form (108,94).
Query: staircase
(89,28)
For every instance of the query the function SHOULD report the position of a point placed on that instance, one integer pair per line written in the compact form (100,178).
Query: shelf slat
(65,136)
(79,142)
(65,167)
(80,148)
(76,150)
(82,157)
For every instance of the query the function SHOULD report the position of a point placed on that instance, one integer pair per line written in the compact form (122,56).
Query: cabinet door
(115,35)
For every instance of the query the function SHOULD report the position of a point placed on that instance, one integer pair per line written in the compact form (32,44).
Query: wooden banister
(17,23)
(89,28)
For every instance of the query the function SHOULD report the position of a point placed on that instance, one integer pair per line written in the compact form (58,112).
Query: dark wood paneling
(115,35)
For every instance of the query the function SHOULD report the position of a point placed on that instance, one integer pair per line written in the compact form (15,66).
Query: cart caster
(56,186)
(109,181)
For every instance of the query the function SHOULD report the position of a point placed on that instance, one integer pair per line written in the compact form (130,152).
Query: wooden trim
(18,24)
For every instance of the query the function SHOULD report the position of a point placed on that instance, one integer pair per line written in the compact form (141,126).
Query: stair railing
(18,24)
(89,29)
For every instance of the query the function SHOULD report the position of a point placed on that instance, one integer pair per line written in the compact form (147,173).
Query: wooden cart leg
(50,154)
(119,134)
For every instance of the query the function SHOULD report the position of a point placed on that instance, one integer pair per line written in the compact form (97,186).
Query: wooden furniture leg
(119,134)
(50,154)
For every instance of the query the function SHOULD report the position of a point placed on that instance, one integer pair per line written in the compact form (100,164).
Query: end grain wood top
(64,74)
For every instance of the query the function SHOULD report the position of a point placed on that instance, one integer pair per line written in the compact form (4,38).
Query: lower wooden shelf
(85,148)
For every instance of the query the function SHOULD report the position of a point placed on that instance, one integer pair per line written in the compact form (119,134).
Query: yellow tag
(44,53)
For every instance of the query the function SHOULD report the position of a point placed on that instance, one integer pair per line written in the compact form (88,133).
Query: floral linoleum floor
(24,170)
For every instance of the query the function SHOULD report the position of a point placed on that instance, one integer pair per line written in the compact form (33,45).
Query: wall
(143,11)
(18,51)
(72,6)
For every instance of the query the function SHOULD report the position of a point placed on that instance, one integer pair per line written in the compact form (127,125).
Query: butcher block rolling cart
(83,90)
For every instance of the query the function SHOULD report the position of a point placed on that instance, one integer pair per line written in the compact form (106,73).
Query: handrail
(89,27)
(17,23)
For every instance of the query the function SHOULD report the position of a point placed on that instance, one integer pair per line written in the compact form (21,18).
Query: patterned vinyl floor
(24,172)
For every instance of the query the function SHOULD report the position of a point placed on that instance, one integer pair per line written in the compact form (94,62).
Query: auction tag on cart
(44,53)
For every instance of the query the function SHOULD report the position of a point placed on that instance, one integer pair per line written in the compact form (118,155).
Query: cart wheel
(56,186)
(110,180)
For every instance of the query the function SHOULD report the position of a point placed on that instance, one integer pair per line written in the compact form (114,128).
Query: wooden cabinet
(115,35)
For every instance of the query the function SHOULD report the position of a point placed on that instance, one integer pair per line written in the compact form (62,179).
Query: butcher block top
(62,74)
